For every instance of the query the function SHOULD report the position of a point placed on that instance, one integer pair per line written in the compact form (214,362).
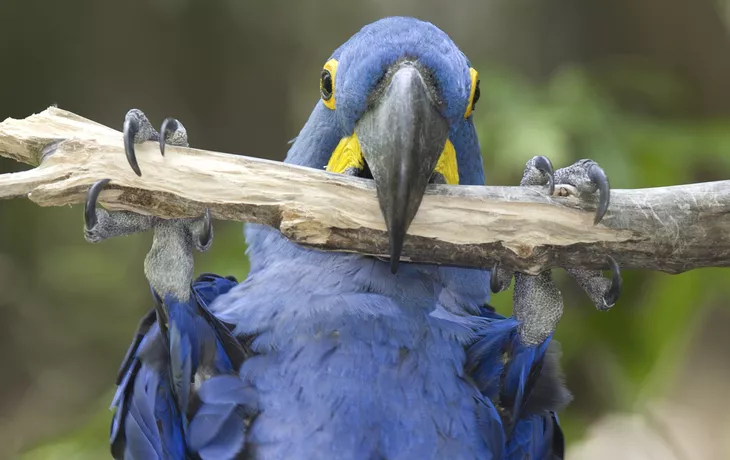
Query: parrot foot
(583,179)
(138,129)
(537,302)
(169,264)
(100,224)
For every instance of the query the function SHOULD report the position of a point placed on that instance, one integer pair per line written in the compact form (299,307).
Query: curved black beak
(402,136)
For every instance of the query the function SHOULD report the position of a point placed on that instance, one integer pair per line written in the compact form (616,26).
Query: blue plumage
(348,360)
(155,390)
(525,383)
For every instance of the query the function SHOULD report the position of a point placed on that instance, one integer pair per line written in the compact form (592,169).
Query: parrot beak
(402,136)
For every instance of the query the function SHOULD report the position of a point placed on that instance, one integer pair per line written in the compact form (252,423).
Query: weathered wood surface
(671,229)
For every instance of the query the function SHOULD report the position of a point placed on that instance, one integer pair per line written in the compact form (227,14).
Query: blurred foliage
(612,360)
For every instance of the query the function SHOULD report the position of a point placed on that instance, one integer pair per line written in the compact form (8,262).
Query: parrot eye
(327,83)
(474,93)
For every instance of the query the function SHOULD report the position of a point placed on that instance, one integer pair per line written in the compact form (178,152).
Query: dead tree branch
(671,229)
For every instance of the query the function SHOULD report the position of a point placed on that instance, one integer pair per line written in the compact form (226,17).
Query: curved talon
(493,281)
(499,283)
(90,205)
(612,295)
(207,230)
(169,126)
(131,128)
(543,165)
(598,177)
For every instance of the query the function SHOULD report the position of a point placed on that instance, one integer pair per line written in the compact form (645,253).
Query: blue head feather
(363,61)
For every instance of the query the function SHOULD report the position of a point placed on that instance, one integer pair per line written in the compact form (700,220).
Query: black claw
(207,230)
(610,298)
(90,205)
(169,126)
(494,284)
(131,128)
(543,164)
(598,177)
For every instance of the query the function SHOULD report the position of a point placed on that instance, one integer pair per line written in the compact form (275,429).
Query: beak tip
(394,266)
(396,248)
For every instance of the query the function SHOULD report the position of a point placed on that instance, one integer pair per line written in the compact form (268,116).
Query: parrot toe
(100,224)
(586,177)
(603,292)
(614,291)
(173,133)
(583,179)
(92,215)
(202,229)
(90,211)
(137,129)
(539,171)
(501,278)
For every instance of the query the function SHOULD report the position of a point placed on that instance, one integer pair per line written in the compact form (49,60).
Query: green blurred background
(641,86)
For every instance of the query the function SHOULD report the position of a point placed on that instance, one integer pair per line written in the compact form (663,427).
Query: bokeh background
(641,86)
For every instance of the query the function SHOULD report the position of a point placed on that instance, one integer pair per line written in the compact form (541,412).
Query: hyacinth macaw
(341,356)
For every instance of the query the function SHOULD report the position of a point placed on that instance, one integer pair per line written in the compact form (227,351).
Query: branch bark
(670,229)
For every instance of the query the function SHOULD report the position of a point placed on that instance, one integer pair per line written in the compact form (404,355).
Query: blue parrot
(332,355)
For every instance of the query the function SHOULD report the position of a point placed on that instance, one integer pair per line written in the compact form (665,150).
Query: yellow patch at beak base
(447,166)
(348,157)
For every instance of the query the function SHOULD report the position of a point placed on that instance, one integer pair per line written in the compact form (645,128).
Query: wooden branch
(671,229)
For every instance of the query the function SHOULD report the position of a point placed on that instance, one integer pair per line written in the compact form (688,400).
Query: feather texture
(526,385)
(157,386)
(329,355)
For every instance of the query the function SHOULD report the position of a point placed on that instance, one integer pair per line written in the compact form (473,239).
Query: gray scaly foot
(538,303)
(169,263)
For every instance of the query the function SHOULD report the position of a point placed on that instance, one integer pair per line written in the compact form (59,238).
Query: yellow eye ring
(474,93)
(327,84)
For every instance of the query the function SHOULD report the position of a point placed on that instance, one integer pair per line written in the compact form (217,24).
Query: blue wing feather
(155,395)
(207,423)
(229,438)
(146,423)
(523,383)
(217,429)
(181,364)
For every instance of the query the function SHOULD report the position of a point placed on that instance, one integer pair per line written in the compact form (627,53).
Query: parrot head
(396,105)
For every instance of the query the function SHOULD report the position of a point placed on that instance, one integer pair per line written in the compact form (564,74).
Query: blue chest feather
(373,362)
(354,362)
